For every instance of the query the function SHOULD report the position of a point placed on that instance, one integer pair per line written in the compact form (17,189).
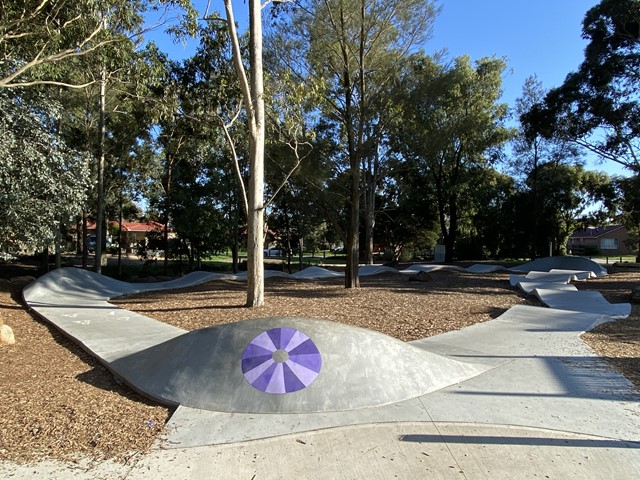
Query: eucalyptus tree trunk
(371,172)
(351,273)
(255,240)
(252,93)
(102,128)
(85,251)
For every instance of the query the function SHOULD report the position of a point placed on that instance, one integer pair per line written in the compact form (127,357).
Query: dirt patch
(56,401)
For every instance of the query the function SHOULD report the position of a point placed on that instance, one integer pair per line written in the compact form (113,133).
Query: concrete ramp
(564,263)
(429,267)
(70,286)
(582,301)
(313,273)
(580,275)
(288,365)
(542,277)
(485,268)
(528,286)
(276,365)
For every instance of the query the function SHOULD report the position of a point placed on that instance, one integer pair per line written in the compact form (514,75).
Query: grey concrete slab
(360,369)
(542,277)
(539,373)
(485,268)
(406,450)
(578,274)
(566,262)
(582,301)
(205,369)
(378,451)
(528,286)
(313,273)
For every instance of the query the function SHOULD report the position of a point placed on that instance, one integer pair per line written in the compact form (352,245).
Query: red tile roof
(135,226)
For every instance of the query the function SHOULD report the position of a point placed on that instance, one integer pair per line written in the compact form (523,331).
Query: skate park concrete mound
(582,301)
(547,264)
(288,365)
(276,365)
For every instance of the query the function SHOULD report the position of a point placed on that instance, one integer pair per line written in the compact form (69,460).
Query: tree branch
(237,60)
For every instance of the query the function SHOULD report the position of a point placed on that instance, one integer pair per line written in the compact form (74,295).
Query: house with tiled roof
(133,232)
(612,240)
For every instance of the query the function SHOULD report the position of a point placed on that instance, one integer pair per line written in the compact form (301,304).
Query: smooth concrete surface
(202,369)
(541,277)
(546,264)
(360,369)
(582,301)
(529,286)
(539,373)
(425,450)
(544,406)
(578,274)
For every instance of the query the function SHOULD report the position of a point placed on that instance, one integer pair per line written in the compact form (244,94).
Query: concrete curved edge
(529,286)
(582,301)
(540,375)
(547,264)
(362,368)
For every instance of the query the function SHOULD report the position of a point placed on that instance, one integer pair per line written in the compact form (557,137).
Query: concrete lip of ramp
(587,301)
(581,264)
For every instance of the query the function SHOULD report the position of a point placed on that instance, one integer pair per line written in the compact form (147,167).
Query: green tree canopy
(452,123)
(37,35)
(43,181)
(597,106)
(355,50)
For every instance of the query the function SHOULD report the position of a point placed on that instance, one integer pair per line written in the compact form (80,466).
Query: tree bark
(351,273)
(252,92)
(100,234)
(85,251)
(371,172)
(450,238)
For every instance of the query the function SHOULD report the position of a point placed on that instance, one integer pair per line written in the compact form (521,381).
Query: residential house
(134,234)
(612,240)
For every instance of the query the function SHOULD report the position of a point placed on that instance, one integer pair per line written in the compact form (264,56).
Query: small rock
(6,335)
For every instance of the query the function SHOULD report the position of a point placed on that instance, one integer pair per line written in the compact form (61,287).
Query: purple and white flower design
(281,360)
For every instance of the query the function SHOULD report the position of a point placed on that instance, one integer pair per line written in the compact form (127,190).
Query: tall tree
(252,87)
(356,49)
(566,192)
(532,149)
(33,206)
(452,123)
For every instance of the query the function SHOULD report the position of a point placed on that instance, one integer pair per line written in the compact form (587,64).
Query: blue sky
(541,37)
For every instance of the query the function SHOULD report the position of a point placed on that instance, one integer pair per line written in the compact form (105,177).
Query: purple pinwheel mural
(281,360)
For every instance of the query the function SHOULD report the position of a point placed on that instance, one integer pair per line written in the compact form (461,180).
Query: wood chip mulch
(58,402)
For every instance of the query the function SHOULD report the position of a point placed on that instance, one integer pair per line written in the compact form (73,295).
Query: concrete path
(537,403)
